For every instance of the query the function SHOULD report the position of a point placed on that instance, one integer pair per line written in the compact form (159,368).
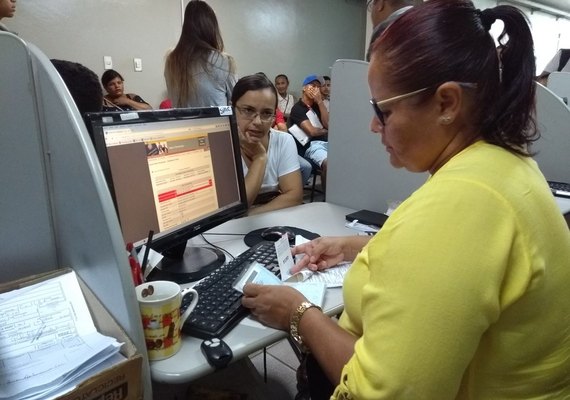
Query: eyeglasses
(376,105)
(252,113)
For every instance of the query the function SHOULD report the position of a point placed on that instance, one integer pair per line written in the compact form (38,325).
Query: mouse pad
(254,237)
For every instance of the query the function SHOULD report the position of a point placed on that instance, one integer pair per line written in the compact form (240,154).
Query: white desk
(564,204)
(249,336)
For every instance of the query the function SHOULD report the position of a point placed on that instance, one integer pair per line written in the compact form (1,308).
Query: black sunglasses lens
(377,111)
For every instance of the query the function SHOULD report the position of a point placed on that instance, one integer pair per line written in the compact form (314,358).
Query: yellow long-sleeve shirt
(465,292)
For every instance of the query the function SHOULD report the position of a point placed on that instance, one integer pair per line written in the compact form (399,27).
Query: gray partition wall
(360,175)
(55,205)
(553,147)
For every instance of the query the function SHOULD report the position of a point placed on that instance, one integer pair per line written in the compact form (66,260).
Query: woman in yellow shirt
(463,294)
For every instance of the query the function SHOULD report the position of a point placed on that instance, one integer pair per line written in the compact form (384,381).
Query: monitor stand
(183,264)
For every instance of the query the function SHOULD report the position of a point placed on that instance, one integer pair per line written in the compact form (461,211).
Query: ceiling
(563,5)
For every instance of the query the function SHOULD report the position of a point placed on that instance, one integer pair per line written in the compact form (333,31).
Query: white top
(281,160)
(285,103)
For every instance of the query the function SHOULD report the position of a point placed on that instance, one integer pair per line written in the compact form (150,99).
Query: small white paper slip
(299,134)
(255,273)
(284,257)
(154,258)
(314,119)
(313,291)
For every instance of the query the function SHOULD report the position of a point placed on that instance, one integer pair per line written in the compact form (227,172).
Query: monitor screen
(175,172)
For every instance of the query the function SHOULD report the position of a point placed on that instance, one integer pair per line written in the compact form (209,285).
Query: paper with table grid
(48,340)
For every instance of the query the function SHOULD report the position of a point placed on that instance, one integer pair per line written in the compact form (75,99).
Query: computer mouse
(217,352)
(274,233)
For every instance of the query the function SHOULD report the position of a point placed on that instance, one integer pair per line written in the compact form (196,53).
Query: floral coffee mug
(159,304)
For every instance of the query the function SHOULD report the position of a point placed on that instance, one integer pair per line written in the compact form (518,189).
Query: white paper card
(256,273)
(299,134)
(314,119)
(284,256)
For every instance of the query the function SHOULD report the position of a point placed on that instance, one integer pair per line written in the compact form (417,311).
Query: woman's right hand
(320,253)
(251,149)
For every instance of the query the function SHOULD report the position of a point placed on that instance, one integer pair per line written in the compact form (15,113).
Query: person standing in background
(197,72)
(7,10)
(285,100)
(383,13)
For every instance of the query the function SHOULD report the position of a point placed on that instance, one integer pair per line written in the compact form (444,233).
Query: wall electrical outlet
(108,62)
(138,64)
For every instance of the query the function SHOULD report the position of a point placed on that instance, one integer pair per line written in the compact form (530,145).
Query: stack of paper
(48,341)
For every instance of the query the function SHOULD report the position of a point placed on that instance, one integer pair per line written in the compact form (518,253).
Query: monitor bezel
(96,124)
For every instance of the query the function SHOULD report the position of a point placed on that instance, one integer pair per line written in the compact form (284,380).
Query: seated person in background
(311,105)
(116,99)
(269,158)
(83,85)
(559,63)
(326,91)
(7,10)
(285,100)
(281,126)
(279,123)
(463,293)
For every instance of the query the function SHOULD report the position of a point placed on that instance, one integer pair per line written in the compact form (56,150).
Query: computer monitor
(176,172)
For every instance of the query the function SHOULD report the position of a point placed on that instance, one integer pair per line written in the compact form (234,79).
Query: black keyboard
(219,306)
(561,189)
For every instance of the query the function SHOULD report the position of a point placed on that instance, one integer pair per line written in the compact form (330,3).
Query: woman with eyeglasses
(463,293)
(269,157)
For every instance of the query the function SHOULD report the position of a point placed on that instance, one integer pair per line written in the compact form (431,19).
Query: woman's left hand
(272,305)
(251,148)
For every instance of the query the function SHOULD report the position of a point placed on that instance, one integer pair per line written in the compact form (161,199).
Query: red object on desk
(136,271)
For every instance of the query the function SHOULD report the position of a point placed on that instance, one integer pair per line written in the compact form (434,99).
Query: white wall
(295,37)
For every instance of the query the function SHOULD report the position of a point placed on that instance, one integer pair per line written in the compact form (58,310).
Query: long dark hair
(257,81)
(199,38)
(449,40)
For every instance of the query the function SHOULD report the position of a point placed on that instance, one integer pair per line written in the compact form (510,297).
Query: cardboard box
(120,382)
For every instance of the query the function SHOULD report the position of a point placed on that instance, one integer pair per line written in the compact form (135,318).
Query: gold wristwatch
(296,319)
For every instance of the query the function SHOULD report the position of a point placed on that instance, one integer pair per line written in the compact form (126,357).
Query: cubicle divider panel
(27,243)
(553,147)
(360,175)
(65,183)
(559,83)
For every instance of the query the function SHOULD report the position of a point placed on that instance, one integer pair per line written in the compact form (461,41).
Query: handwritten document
(48,339)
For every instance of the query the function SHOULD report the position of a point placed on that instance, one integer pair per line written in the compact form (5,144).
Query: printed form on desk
(331,277)
(48,341)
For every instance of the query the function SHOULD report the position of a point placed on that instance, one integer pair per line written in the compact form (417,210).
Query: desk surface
(249,336)
(564,204)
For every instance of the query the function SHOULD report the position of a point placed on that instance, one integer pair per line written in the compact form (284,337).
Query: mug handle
(189,309)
